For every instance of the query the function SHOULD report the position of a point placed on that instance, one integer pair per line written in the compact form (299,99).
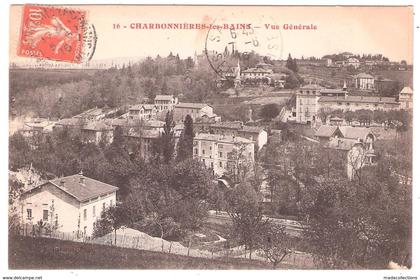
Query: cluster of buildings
(356,144)
(74,203)
(143,124)
(312,98)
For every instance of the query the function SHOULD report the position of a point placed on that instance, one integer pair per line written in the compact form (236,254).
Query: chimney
(81,179)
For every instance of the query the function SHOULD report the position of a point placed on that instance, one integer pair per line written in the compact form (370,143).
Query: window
(45,215)
(196,151)
(29,213)
(204,152)
(85,214)
(220,154)
(111,203)
(204,161)
(211,164)
(221,164)
(94,211)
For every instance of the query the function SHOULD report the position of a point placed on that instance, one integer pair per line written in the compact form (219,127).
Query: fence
(142,241)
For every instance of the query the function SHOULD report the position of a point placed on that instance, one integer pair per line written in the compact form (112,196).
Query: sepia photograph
(210,137)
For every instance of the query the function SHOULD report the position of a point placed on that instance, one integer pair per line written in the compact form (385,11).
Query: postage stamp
(54,33)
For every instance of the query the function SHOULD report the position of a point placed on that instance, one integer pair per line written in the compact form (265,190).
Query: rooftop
(164,97)
(407,90)
(251,129)
(145,106)
(311,86)
(81,189)
(355,133)
(97,126)
(145,133)
(222,138)
(326,131)
(69,122)
(228,124)
(191,105)
(359,99)
(257,70)
(364,76)
(341,144)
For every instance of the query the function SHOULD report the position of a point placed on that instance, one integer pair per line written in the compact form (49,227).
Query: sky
(385,30)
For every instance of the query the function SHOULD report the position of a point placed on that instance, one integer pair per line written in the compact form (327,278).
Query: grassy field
(45,253)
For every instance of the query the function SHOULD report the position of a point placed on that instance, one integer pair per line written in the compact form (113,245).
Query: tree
(246,213)
(150,89)
(165,225)
(164,147)
(291,63)
(112,219)
(275,243)
(269,111)
(185,143)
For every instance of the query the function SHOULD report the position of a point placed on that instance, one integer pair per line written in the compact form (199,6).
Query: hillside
(45,253)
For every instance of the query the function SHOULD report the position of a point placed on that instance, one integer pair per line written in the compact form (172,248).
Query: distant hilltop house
(257,74)
(165,102)
(72,204)
(356,142)
(406,98)
(352,61)
(221,152)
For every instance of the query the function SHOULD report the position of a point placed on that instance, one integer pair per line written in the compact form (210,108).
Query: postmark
(221,42)
(56,33)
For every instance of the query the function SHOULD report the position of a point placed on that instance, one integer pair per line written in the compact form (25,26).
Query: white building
(354,103)
(236,128)
(307,103)
(143,112)
(352,61)
(195,110)
(365,81)
(406,98)
(165,102)
(72,203)
(218,151)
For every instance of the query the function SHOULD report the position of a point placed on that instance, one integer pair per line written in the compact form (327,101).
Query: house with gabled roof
(97,131)
(165,102)
(325,132)
(365,81)
(195,110)
(143,112)
(72,203)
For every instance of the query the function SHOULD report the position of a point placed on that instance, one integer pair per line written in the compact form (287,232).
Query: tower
(344,86)
(238,75)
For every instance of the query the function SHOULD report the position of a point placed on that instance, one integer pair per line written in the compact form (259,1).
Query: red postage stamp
(54,33)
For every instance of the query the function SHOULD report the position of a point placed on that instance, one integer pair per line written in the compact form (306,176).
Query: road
(292,227)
